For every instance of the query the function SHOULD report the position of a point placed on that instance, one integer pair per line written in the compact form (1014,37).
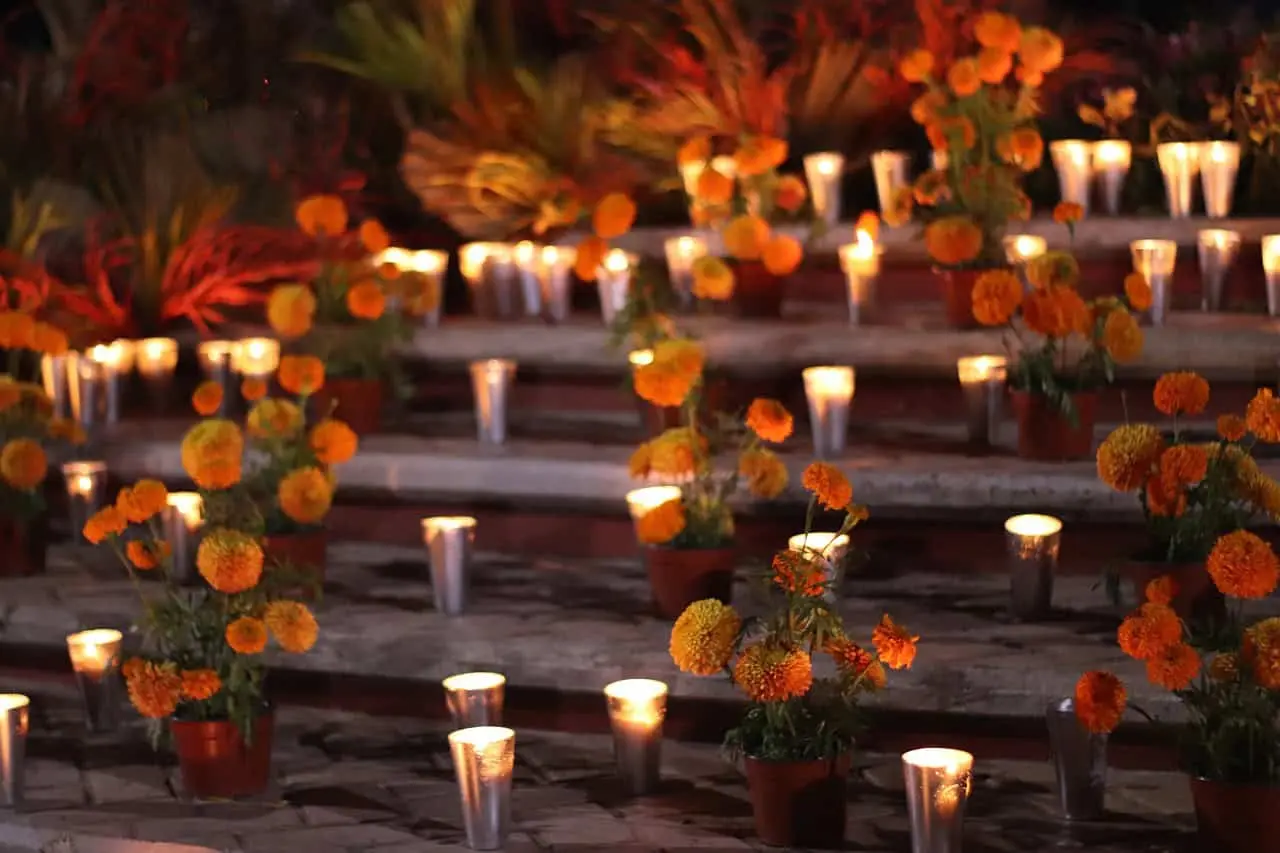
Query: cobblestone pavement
(346,782)
(576,626)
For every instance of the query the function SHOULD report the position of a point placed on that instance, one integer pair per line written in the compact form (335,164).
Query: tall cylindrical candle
(1033,542)
(637,707)
(95,659)
(829,391)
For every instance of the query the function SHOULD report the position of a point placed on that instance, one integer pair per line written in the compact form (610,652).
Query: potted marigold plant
(689,550)
(1228,682)
(1191,492)
(201,666)
(342,317)
(1063,348)
(798,732)
(979,116)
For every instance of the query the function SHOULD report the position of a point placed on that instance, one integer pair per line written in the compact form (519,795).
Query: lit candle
(56,377)
(86,485)
(86,380)
(1071,160)
(181,521)
(527,257)
(1179,163)
(157,357)
(491,380)
(1217,250)
(217,357)
(472,258)
(449,541)
(256,357)
(1021,248)
(829,549)
(556,273)
(640,357)
(1271,266)
(614,282)
(475,698)
(1156,260)
(1111,160)
(1219,163)
(890,171)
(116,359)
(95,658)
(829,391)
(938,782)
(491,275)
(484,761)
(681,252)
(637,707)
(860,261)
(823,172)
(940,161)
(14,723)
(982,379)
(1033,542)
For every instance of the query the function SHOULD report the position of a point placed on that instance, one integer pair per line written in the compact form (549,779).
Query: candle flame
(1033,525)
(641,701)
(640,501)
(829,383)
(617,261)
(468,681)
(13,701)
(439,523)
(954,763)
(189,505)
(640,357)
(981,368)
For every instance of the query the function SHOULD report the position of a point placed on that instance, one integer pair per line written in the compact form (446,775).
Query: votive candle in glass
(116,360)
(823,172)
(15,721)
(484,761)
(890,169)
(491,275)
(614,282)
(982,379)
(1271,266)
(1156,260)
(1219,164)
(86,379)
(475,698)
(1033,542)
(421,277)
(217,363)
(1111,161)
(555,276)
(86,492)
(1021,248)
(641,501)
(829,392)
(1072,160)
(95,659)
(256,358)
(491,381)
(681,252)
(182,521)
(1179,163)
(637,708)
(829,549)
(56,377)
(449,541)
(860,261)
(938,782)
(527,257)
(1217,250)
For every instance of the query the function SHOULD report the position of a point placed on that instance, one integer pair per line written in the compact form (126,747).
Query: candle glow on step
(1020,248)
(92,652)
(256,357)
(157,356)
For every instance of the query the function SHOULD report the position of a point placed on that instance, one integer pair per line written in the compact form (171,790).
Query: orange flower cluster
(799,574)
(1100,700)
(212,454)
(673,373)
(200,684)
(19,330)
(292,624)
(247,636)
(855,662)
(765,474)
(146,555)
(291,310)
(996,297)
(703,638)
(769,419)
(302,375)
(333,442)
(1263,416)
(305,495)
(953,240)
(1243,565)
(768,673)
(829,485)
(23,464)
(154,688)
(1128,456)
(662,523)
(895,646)
(1181,394)
(143,501)
(229,560)
(274,418)
(672,455)
(1260,652)
(104,524)
(207,398)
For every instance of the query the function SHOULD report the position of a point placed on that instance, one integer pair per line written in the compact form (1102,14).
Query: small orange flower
(1121,336)
(856,662)
(1067,213)
(1040,50)
(1029,77)
(695,150)
(758,154)
(964,78)
(1184,464)
(305,495)
(229,560)
(1165,499)
(145,499)
(994,64)
(590,255)
(712,279)
(322,216)
(613,216)
(924,109)
(1100,700)
(703,637)
(274,417)
(996,296)
(769,419)
(869,224)
(23,464)
(953,240)
(916,66)
(895,645)
(291,310)
(829,486)
(782,254)
(301,374)
(662,523)
(253,389)
(1242,565)
(247,636)
(765,475)
(790,193)
(1056,313)
(1022,147)
(1148,631)
(207,398)
(1260,652)
(1174,668)
(373,236)
(292,624)
(366,300)
(17,330)
(952,132)
(333,442)
(1162,590)
(155,689)
(200,684)
(1138,291)
(714,188)
(799,574)
(1231,427)
(1183,393)
(998,31)
(1262,416)
(146,555)
(676,368)
(1127,457)
(104,523)
(769,673)
(745,237)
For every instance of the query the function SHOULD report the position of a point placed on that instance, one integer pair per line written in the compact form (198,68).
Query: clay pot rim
(266,710)
(1249,786)
(848,753)
(729,547)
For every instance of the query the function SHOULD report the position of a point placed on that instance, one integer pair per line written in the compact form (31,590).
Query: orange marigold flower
(1067,213)
(155,689)
(996,296)
(713,187)
(953,240)
(366,300)
(695,150)
(1056,313)
(901,207)
(1262,416)
(675,370)
(1128,455)
(768,673)
(963,77)
(856,662)
(145,499)
(253,389)
(1183,393)
(1226,667)
(1100,700)
(1121,336)
(1028,77)
(1053,270)
(769,419)
(1022,147)
(746,236)
(782,254)
(373,236)
(640,465)
(106,522)
(1162,590)
(662,523)
(829,485)
(1138,291)
(758,154)
(301,374)
(333,442)
(765,475)
(916,66)
(895,645)
(212,453)
(1040,50)
(790,193)
(23,464)
(1174,668)
(998,31)
(1260,652)
(1231,427)
(305,495)
(132,667)
(1165,499)
(613,216)
(322,215)
(291,309)
(274,418)
(932,188)
(924,109)
(200,684)
(229,560)
(247,636)
(799,574)
(1242,565)
(703,637)
(673,454)
(292,624)
(48,339)
(207,398)
(146,555)
(951,132)
(1184,464)
(589,256)
(712,279)
(994,65)
(1148,631)
(17,330)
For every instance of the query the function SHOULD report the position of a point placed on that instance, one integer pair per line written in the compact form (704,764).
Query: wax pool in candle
(471,681)
(190,506)
(825,544)
(981,368)
(1112,154)
(525,254)
(861,257)
(80,476)
(640,357)
(257,357)
(829,382)
(215,354)
(157,356)
(638,703)
(93,651)
(617,261)
(117,356)
(1032,525)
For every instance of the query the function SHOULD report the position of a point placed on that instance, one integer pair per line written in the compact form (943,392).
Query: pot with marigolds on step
(797,734)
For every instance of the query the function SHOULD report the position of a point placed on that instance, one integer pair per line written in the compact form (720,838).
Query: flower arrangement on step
(979,116)
(794,717)
(1076,346)
(1191,492)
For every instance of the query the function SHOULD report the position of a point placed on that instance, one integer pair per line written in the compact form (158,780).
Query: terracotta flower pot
(24,543)
(957,295)
(1047,435)
(1197,598)
(681,576)
(305,553)
(756,291)
(358,402)
(1236,818)
(215,760)
(799,803)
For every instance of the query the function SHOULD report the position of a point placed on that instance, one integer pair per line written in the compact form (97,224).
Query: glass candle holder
(982,379)
(1072,160)
(527,257)
(938,782)
(1021,248)
(157,358)
(1156,260)
(449,541)
(614,282)
(86,493)
(890,169)
(86,384)
(475,698)
(823,172)
(95,659)
(556,280)
(829,549)
(55,377)
(116,360)
(422,273)
(1079,762)
(681,252)
(217,364)
(15,721)
(484,760)
(492,277)
(1111,161)
(1179,163)
(1033,543)
(491,380)
(256,358)
(829,392)
(1217,250)
(1219,164)
(637,708)
(1271,267)
(182,521)
(860,261)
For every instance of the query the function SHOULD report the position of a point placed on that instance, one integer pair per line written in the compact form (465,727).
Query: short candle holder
(484,760)
(613,279)
(157,360)
(830,550)
(982,378)
(681,252)
(823,172)
(15,721)
(116,360)
(491,275)
(890,169)
(1156,260)
(1079,761)
(86,493)
(829,392)
(256,358)
(1179,163)
(555,277)
(1033,542)
(95,658)
(1072,160)
(860,262)
(1217,250)
(1111,159)
(637,707)
(1219,163)
(182,520)
(527,257)
(938,782)
(475,698)
(491,381)
(1020,249)
(449,540)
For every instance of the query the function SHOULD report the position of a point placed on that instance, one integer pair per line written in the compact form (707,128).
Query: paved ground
(347,783)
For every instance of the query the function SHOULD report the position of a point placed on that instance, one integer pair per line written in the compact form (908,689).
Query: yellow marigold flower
(675,370)
(1226,668)
(758,154)
(366,301)
(1263,416)
(1184,464)
(1138,291)
(1053,269)
(963,77)
(1261,653)
(1231,427)
(1242,565)
(146,498)
(895,645)
(154,689)
(207,398)
(790,193)
(828,484)
(998,31)
(212,453)
(229,560)
(247,636)
(1058,312)
(662,523)
(996,296)
(613,216)
(333,442)
(291,310)
(146,555)
(274,418)
(746,236)
(640,463)
(764,473)
(301,374)
(856,662)
(48,339)
(769,419)
(916,66)
(200,684)
(702,639)
(1128,455)
(373,236)
(713,187)
(1148,631)
(994,65)
(253,389)
(953,240)
(322,216)
(292,624)
(1040,50)
(712,279)
(769,673)
(1067,213)
(106,522)
(589,256)
(1121,336)
(674,454)
(1100,700)
(23,464)
(305,495)
(782,254)
(1183,393)
(1162,590)
(1174,668)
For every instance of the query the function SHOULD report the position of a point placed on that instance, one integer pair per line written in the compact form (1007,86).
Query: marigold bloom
(713,187)
(143,500)
(703,637)
(712,279)
(1121,336)
(916,66)
(769,673)
(1182,393)
(1067,213)
(1138,291)
(588,257)
(895,645)
(373,236)
(48,339)
(994,65)
(1056,313)
(901,206)
(207,398)
(106,522)
(932,188)
(613,216)
(291,310)
(253,389)
(200,684)
(1226,668)
(333,442)
(963,77)
(1262,416)
(1174,668)
(1261,652)
(366,300)
(229,560)
(17,330)
(639,465)
(1100,700)
(1242,565)
(769,420)
(322,216)
(1231,427)
(305,495)
(1148,631)
(854,661)
(155,689)
(998,31)
(23,464)
(924,109)
(745,237)
(953,240)
(146,555)
(758,154)
(765,475)
(996,296)
(790,193)
(212,453)
(828,484)
(947,132)
(1040,50)
(274,418)
(695,150)
(292,624)
(662,523)
(247,636)
(301,374)
(674,453)
(1184,464)
(799,574)
(1022,147)
(1165,499)
(671,376)
(1052,270)
(782,254)
(1161,590)
(1128,455)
